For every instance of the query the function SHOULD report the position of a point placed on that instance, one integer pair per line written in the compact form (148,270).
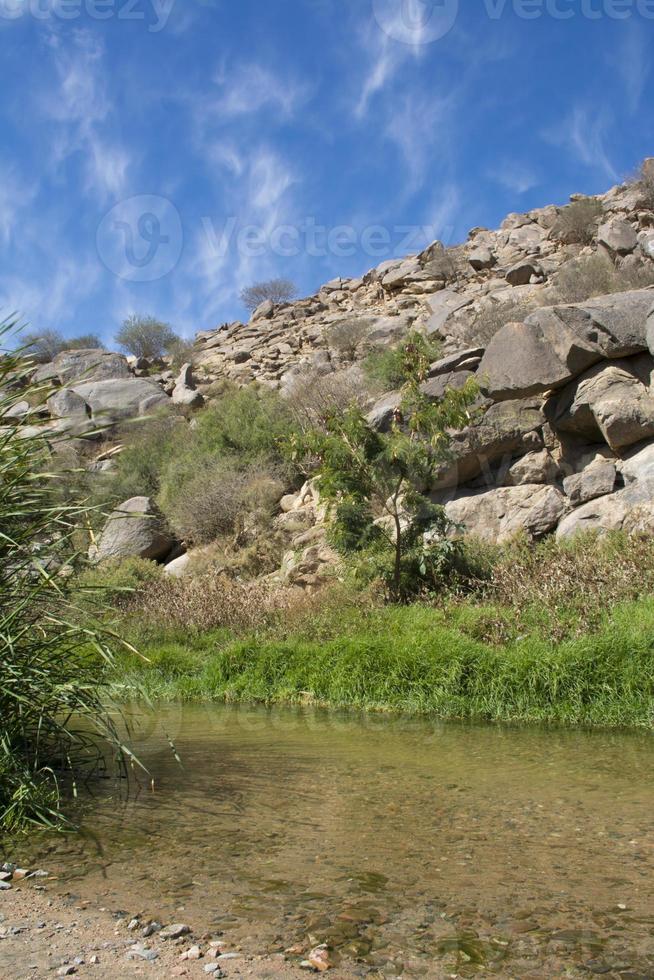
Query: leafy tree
(378,482)
(276,290)
(145,336)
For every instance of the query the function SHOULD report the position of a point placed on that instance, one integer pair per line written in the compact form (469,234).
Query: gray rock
(526,358)
(381,414)
(436,387)
(497,515)
(448,364)
(399,275)
(17,411)
(175,931)
(481,258)
(631,510)
(618,236)
(533,468)
(444,305)
(522,272)
(66,403)
(638,466)
(179,567)
(609,401)
(556,344)
(141,952)
(133,530)
(185,391)
(506,429)
(595,481)
(85,365)
(119,398)
(264,311)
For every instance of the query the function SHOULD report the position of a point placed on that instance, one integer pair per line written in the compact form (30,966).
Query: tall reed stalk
(55,726)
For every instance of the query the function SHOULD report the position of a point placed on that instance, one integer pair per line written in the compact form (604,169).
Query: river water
(412,847)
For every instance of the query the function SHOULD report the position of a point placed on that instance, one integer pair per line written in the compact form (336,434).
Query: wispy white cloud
(261,181)
(514,175)
(249,88)
(585,132)
(16,195)
(631,60)
(80,109)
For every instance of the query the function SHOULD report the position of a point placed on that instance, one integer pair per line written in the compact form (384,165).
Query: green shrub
(390,368)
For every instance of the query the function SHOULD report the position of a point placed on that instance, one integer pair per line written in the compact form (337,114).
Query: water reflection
(411,846)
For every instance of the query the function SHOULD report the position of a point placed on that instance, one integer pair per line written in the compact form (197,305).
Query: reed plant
(55,726)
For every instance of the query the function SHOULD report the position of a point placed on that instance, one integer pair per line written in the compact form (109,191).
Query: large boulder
(611,402)
(185,391)
(133,530)
(443,305)
(524,359)
(618,236)
(505,430)
(595,481)
(117,398)
(556,344)
(629,509)
(84,365)
(497,515)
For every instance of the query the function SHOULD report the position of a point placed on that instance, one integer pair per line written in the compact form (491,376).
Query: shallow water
(413,847)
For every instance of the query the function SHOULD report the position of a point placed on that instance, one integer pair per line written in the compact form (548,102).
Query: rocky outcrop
(562,435)
(133,530)
(117,398)
(498,515)
(84,365)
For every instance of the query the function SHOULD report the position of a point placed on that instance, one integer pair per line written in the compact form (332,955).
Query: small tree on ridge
(276,290)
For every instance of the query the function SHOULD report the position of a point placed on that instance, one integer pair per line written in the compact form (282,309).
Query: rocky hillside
(553,313)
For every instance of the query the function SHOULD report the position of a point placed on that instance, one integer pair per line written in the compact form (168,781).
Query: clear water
(413,847)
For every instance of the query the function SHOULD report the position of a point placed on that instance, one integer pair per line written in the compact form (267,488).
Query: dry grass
(495,316)
(577,223)
(212,601)
(595,275)
(313,396)
(567,586)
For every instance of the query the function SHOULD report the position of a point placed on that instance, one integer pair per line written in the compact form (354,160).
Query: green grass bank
(417,659)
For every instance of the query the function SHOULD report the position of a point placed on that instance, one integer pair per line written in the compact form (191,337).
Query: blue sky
(158,155)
